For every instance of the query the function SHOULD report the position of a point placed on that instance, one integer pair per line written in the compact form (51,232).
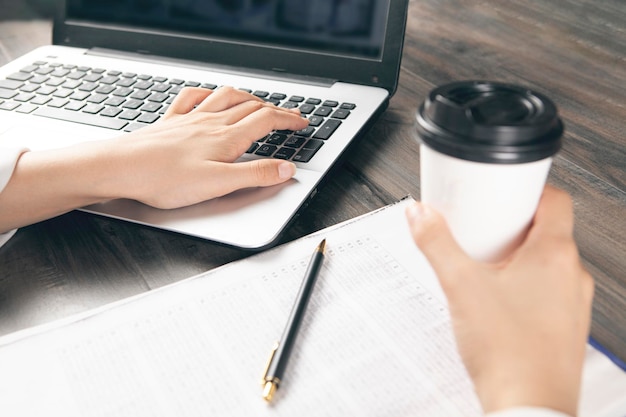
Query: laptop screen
(333,27)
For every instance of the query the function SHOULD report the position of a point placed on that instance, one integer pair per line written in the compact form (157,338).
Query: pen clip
(269,362)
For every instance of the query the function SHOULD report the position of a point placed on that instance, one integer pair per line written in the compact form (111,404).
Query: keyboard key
(80,117)
(45,71)
(92,108)
(330,103)
(144,85)
(252,147)
(109,79)
(122,91)
(347,106)
(340,114)
(29,68)
(294,141)
(313,101)
(140,94)
(151,107)
(6,94)
(110,111)
(24,97)
(88,86)
(9,105)
(306,108)
(296,99)
(26,108)
(40,100)
(76,75)
(284,153)
(29,88)
(160,88)
(289,105)
(46,90)
(114,101)
(315,120)
(327,129)
(306,132)
(79,95)
(75,105)
(277,139)
(129,115)
(158,97)
(39,79)
(63,93)
(59,72)
(132,104)
(11,84)
(313,144)
(71,84)
(148,117)
(125,82)
(266,150)
(278,96)
(105,89)
(323,111)
(131,127)
(55,81)
(58,102)
(96,98)
(20,76)
(304,155)
(261,94)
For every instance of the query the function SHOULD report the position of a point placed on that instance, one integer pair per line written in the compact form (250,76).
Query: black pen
(277,362)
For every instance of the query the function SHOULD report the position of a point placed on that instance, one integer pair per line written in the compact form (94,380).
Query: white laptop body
(87,39)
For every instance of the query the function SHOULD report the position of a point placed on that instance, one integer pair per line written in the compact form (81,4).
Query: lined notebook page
(376,340)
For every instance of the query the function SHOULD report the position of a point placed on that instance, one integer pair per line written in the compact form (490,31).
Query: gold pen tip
(322,246)
(269,390)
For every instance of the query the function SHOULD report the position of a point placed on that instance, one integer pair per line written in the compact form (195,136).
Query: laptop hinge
(276,75)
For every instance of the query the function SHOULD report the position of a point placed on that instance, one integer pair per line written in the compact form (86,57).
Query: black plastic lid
(490,122)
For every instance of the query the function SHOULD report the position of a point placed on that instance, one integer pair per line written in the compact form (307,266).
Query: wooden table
(572,50)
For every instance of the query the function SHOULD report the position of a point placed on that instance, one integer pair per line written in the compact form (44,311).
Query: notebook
(115,66)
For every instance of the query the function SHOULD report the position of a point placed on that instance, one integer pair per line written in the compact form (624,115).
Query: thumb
(258,173)
(433,237)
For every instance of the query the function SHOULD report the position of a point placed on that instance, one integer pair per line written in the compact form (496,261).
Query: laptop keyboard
(126,101)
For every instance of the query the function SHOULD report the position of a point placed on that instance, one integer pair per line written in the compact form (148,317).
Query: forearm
(45,184)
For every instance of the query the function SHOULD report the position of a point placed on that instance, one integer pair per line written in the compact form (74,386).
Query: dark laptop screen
(334,27)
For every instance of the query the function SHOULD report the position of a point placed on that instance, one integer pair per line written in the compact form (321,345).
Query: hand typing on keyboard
(184,158)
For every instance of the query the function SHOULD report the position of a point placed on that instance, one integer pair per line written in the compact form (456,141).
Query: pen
(281,351)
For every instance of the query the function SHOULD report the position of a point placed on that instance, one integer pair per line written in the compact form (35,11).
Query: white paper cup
(485,153)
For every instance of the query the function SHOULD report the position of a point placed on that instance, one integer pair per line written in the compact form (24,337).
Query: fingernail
(286,170)
(415,211)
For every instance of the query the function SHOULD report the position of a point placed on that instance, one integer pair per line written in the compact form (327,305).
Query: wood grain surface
(574,51)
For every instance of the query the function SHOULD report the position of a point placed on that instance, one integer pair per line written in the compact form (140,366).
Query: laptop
(115,65)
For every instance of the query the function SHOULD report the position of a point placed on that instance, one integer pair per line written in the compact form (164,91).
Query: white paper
(376,340)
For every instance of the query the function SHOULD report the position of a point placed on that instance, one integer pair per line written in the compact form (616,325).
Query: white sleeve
(8,159)
(527,412)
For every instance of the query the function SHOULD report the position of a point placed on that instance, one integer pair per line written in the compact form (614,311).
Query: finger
(432,236)
(187,99)
(224,98)
(555,215)
(258,173)
(240,111)
(266,119)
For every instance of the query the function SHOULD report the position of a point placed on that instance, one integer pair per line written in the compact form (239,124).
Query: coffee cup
(485,152)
